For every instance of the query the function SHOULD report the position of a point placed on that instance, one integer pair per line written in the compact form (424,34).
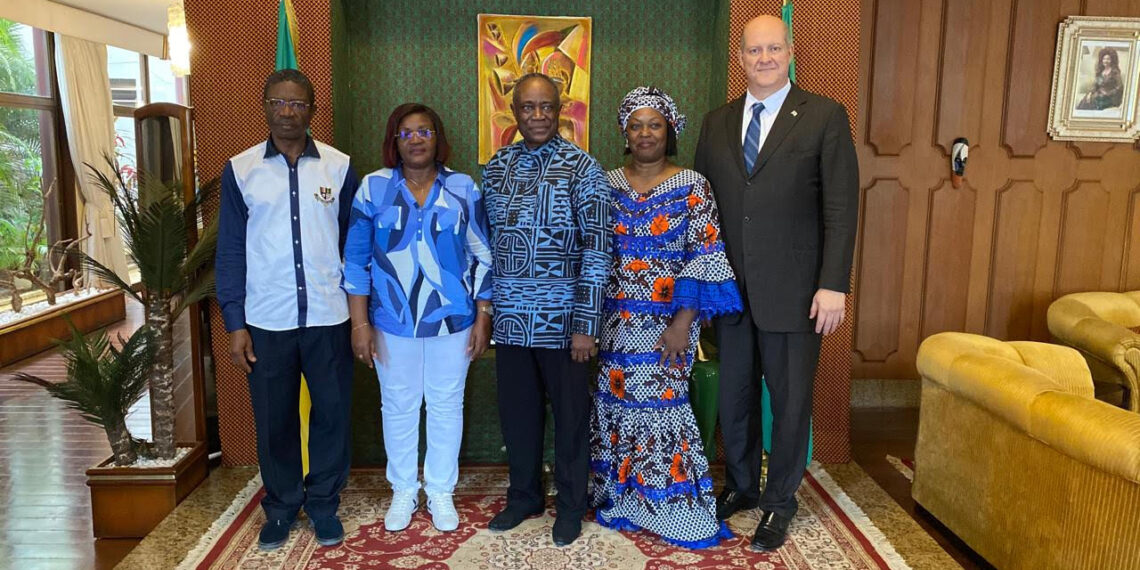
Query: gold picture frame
(1096,79)
(511,46)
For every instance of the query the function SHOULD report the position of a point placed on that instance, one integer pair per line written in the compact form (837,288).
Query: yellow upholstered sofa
(1101,326)
(1018,460)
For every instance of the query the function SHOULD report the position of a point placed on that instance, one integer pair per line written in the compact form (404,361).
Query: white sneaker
(399,514)
(443,514)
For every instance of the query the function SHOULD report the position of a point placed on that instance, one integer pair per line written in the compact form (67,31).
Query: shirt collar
(442,172)
(772,103)
(545,148)
(310,148)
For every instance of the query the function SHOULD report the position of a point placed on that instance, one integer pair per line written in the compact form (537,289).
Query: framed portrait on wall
(513,46)
(1096,77)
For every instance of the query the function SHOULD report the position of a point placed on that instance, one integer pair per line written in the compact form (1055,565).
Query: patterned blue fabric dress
(648,468)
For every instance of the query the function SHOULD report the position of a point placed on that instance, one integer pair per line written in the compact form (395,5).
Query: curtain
(85,94)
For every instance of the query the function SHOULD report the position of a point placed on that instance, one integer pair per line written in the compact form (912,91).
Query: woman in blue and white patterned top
(417,273)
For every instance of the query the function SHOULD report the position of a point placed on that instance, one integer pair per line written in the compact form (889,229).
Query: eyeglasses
(528,109)
(279,105)
(406,134)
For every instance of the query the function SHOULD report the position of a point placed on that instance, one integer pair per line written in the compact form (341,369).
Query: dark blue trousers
(324,356)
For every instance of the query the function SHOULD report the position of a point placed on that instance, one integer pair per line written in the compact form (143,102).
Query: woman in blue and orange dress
(648,468)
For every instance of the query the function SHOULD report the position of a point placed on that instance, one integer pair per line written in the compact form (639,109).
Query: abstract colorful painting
(512,46)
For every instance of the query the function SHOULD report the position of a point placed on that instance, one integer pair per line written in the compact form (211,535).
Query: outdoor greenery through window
(27,162)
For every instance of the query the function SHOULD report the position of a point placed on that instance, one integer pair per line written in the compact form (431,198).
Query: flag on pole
(286,36)
(786,15)
(287,59)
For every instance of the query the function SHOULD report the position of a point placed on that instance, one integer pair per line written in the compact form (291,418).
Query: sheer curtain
(85,95)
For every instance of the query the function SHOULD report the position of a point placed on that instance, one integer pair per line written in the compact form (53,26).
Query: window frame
(61,213)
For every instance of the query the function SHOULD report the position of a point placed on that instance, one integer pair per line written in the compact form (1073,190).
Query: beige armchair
(1020,462)
(1102,327)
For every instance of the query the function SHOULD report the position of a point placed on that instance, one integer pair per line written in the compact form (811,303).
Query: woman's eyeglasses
(279,105)
(406,134)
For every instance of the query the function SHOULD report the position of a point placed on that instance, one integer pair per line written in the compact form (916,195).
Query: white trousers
(412,371)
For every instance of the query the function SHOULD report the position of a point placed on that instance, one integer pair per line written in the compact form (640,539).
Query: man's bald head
(765,23)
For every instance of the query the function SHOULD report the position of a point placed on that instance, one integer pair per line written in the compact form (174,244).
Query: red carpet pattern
(828,532)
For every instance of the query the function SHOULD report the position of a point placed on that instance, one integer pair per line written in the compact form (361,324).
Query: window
(29,131)
(137,80)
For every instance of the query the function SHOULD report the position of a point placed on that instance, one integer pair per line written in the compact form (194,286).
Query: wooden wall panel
(896,54)
(1014,261)
(947,276)
(1130,273)
(1031,58)
(965,23)
(883,217)
(1111,7)
(1080,254)
(1035,218)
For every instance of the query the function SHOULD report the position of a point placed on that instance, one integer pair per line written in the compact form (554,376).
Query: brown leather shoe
(771,533)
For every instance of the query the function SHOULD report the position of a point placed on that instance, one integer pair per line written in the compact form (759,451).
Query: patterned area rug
(828,532)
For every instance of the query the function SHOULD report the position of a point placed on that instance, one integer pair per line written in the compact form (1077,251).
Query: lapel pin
(794,113)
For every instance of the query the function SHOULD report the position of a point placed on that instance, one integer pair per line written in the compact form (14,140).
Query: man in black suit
(784,172)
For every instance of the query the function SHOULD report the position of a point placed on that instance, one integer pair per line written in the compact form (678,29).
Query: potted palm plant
(175,264)
(103,382)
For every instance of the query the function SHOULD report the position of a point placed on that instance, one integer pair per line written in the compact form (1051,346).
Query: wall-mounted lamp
(177,39)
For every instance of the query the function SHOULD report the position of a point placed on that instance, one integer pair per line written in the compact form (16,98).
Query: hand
(582,347)
(362,344)
(827,308)
(241,350)
(673,344)
(479,337)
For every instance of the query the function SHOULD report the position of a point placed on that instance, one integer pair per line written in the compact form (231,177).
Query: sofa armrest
(938,352)
(1092,432)
(1076,325)
(1063,364)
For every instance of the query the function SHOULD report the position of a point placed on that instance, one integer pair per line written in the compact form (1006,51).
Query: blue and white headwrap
(653,98)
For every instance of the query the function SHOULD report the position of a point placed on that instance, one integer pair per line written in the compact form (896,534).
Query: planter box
(38,332)
(128,502)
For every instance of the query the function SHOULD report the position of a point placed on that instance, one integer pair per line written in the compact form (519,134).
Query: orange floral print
(625,314)
(637,265)
(617,382)
(640,480)
(668,395)
(663,289)
(660,225)
(676,471)
(694,200)
(621,295)
(623,471)
(710,235)
(613,438)
(620,229)
(684,445)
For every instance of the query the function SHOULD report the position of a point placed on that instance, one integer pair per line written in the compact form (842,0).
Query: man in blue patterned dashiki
(281,226)
(416,266)
(548,203)
(669,272)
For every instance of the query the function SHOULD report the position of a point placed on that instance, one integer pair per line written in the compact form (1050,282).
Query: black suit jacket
(789,225)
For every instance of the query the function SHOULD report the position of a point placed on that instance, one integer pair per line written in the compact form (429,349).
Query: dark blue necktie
(752,137)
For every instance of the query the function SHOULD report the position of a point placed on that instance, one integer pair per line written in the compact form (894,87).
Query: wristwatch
(488,309)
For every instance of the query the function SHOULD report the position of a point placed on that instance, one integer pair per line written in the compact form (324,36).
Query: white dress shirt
(768,116)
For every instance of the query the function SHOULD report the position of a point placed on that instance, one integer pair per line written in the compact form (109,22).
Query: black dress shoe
(730,501)
(771,533)
(566,530)
(511,517)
